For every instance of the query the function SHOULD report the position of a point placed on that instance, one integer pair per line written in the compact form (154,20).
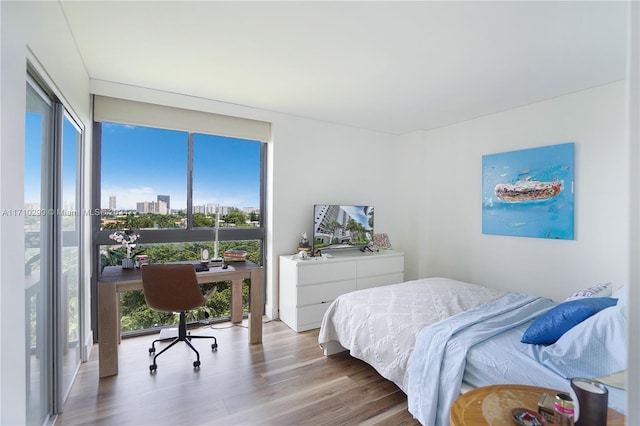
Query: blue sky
(33,160)
(140,163)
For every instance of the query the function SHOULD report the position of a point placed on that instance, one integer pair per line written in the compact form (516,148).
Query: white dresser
(307,287)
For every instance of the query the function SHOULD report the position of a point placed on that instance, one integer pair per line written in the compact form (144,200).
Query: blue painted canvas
(529,193)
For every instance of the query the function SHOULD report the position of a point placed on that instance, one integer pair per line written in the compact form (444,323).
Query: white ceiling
(391,66)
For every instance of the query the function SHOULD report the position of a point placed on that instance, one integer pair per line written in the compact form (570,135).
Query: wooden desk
(114,279)
(492,405)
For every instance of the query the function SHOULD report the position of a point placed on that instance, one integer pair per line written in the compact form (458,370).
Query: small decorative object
(303,254)
(304,241)
(591,399)
(204,256)
(141,259)
(563,406)
(127,238)
(381,241)
(524,417)
(235,255)
(545,408)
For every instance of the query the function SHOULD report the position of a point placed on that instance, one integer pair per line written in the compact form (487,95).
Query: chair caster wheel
(214,346)
(153,368)
(196,364)
(152,351)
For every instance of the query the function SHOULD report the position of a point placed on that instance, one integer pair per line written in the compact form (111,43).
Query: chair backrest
(171,287)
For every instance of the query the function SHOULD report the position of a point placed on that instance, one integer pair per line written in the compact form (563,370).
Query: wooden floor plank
(286,380)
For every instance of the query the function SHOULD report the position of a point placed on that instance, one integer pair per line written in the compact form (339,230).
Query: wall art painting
(529,193)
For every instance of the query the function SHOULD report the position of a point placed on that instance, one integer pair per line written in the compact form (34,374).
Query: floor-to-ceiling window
(52,210)
(173,184)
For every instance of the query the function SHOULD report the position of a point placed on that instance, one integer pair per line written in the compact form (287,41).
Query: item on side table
(563,406)
(591,402)
(545,408)
(524,417)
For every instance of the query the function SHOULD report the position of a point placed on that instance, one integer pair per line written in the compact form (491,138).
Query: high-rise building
(112,202)
(152,207)
(166,199)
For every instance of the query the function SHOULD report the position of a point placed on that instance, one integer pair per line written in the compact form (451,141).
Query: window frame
(159,236)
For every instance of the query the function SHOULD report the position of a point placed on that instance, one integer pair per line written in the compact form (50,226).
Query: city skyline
(226,171)
(209,208)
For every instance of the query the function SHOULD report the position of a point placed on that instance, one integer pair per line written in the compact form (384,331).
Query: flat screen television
(341,226)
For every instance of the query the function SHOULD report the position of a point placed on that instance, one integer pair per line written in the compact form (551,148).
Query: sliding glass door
(38,254)
(52,214)
(68,334)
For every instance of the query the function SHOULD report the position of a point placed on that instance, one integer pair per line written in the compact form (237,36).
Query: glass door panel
(69,294)
(38,268)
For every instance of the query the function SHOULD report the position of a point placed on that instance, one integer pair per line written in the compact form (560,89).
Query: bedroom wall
(36,31)
(451,241)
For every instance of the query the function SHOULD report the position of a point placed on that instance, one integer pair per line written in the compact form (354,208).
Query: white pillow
(622,294)
(596,347)
(600,290)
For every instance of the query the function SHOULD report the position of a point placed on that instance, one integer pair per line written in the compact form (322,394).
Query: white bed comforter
(379,325)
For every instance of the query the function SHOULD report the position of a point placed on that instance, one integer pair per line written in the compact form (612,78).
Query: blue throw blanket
(438,360)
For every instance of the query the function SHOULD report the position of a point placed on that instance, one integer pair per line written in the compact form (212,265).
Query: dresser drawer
(311,316)
(378,280)
(312,273)
(319,293)
(380,266)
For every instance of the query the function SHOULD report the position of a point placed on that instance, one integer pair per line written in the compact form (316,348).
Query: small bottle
(563,407)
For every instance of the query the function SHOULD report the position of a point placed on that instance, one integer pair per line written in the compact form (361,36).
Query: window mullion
(190,182)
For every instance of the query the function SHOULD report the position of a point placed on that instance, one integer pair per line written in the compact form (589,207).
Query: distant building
(112,202)
(152,207)
(166,199)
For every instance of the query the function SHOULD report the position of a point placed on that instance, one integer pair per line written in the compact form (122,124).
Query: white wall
(452,242)
(35,30)
(633,96)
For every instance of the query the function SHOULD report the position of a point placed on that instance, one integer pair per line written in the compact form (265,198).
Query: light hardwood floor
(286,380)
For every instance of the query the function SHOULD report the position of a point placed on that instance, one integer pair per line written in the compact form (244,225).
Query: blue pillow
(548,328)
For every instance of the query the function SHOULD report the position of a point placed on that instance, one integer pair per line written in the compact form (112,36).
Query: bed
(435,336)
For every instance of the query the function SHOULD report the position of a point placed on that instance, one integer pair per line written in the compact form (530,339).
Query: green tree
(236,217)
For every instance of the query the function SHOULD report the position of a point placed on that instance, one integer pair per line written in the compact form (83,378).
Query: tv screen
(339,226)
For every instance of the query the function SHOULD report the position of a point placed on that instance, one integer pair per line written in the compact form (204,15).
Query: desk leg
(236,301)
(256,305)
(108,327)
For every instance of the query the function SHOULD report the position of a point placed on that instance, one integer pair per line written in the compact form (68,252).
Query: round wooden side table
(492,405)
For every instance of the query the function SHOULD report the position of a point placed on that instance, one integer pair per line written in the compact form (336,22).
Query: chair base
(183,336)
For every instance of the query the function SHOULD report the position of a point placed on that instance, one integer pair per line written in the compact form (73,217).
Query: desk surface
(119,276)
(492,405)
(114,279)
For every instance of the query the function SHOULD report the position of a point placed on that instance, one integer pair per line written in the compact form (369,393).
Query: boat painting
(529,192)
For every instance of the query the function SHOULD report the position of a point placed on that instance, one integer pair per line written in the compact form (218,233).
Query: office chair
(173,288)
